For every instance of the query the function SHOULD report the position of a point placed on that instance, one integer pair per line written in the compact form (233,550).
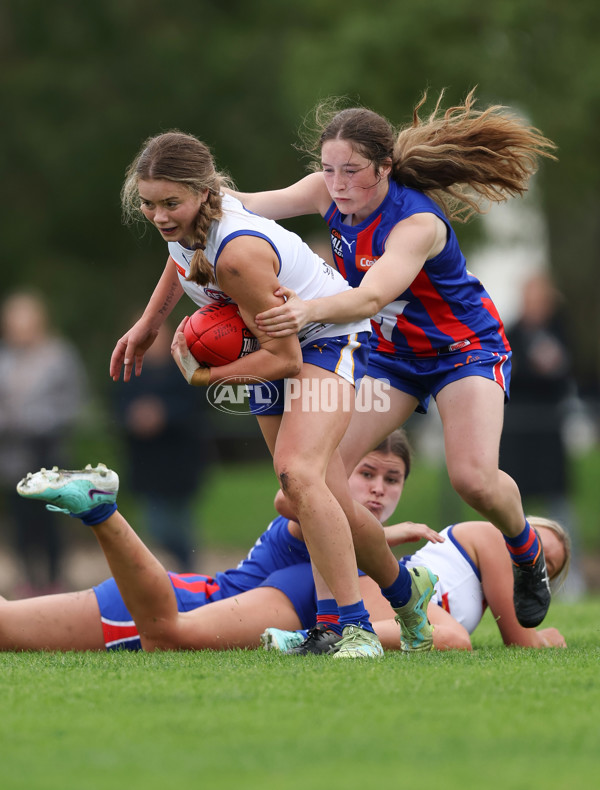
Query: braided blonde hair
(181,158)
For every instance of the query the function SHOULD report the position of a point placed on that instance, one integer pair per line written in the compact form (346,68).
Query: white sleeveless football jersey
(300,268)
(458,590)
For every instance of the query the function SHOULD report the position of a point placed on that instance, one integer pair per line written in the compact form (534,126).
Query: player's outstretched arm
(408,247)
(307,196)
(128,354)
(411,532)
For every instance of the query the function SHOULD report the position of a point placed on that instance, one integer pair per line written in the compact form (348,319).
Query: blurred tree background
(83,84)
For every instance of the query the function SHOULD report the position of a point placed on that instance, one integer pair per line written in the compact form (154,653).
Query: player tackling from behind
(388,198)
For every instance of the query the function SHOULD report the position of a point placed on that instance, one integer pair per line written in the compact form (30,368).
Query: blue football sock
(524,549)
(355,614)
(97,514)
(398,593)
(327,612)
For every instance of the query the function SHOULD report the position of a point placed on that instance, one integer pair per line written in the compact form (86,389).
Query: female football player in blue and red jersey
(388,198)
(143,605)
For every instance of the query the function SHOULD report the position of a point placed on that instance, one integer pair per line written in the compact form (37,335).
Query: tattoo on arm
(166,307)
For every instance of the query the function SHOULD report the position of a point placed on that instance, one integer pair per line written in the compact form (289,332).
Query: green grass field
(495,718)
(499,719)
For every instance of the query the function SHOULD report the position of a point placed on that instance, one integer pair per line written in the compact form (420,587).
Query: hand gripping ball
(216,335)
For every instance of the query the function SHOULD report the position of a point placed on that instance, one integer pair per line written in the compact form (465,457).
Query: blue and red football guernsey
(445,309)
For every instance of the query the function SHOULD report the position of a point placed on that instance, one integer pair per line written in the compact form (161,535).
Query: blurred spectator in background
(42,390)
(167,434)
(533,449)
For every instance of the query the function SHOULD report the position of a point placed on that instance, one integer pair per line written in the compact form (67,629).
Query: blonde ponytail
(201,269)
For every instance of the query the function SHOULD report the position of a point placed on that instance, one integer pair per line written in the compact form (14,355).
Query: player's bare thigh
(67,621)
(312,428)
(368,428)
(378,607)
(472,414)
(238,621)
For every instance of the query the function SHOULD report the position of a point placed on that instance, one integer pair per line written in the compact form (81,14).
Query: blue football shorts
(193,590)
(424,377)
(346,355)
(297,583)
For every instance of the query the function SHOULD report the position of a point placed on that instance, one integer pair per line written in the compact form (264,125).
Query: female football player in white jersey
(221,253)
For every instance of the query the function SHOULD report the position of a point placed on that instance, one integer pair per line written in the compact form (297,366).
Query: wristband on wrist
(200,377)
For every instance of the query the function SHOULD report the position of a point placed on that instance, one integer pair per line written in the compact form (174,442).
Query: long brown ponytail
(463,158)
(462,155)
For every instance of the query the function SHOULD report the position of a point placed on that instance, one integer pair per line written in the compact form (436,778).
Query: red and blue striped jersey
(276,548)
(446,308)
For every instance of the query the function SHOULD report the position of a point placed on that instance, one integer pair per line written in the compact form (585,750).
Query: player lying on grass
(469,580)
(273,586)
